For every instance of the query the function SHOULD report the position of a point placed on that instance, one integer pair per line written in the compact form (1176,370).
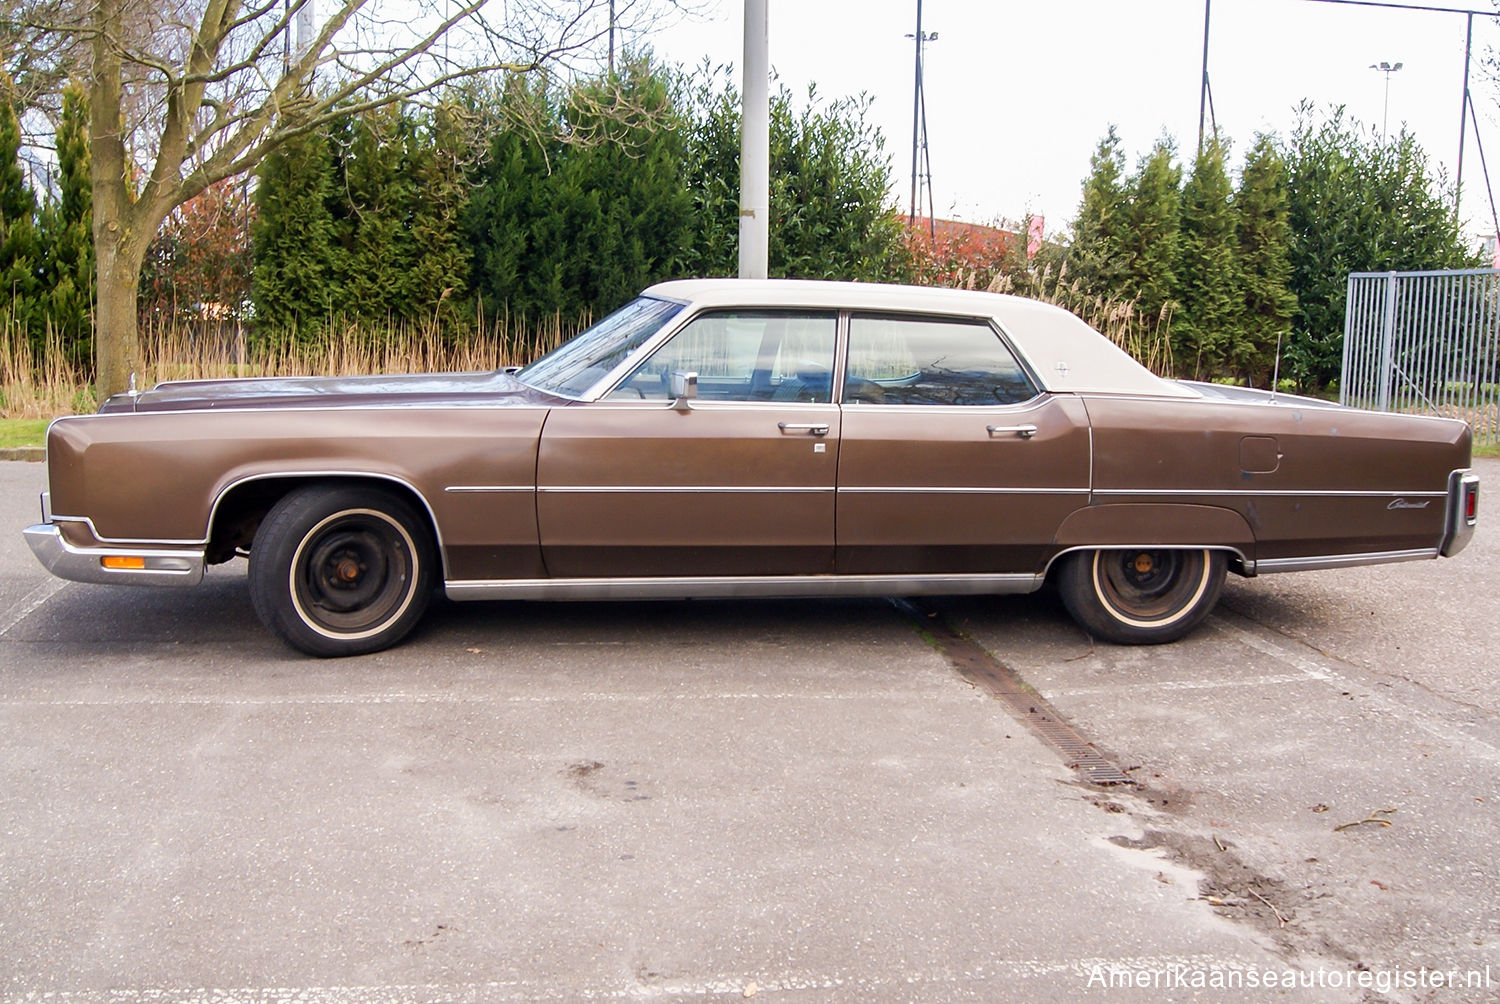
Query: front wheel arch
(342,569)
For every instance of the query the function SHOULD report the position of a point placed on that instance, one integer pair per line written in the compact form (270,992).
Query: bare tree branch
(186,93)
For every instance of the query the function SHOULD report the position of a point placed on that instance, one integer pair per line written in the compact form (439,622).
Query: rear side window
(900,360)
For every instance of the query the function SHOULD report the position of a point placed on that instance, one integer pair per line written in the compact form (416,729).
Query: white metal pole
(304,28)
(916,115)
(755,144)
(1463,118)
(1203,80)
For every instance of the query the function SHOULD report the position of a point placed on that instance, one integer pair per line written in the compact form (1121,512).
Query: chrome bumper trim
(81,564)
(1457,527)
(1267,565)
(735,587)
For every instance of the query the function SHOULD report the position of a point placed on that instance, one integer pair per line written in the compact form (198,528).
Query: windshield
(575,366)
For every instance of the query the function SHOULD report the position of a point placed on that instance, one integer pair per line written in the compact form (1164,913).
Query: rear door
(951,460)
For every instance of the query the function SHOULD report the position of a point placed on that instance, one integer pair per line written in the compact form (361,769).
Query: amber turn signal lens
(122,561)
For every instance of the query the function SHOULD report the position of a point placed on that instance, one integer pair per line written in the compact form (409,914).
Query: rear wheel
(1141,596)
(341,571)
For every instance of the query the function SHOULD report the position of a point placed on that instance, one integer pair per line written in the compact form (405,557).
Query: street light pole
(755,144)
(916,114)
(1385,115)
(1463,119)
(1203,80)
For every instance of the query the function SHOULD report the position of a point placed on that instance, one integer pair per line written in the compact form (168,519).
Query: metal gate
(1425,342)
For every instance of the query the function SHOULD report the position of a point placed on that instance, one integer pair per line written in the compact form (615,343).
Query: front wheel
(341,570)
(1141,596)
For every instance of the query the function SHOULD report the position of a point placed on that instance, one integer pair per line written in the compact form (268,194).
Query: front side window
(898,360)
(575,366)
(743,356)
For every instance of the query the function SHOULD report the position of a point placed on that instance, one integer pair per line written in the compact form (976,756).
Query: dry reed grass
(53,385)
(40,388)
(1146,338)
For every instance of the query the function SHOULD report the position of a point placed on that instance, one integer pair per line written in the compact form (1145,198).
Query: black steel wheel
(1141,596)
(341,570)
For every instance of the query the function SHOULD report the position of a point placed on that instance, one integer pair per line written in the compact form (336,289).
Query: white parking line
(126,700)
(1310,668)
(1322,670)
(1154,685)
(41,594)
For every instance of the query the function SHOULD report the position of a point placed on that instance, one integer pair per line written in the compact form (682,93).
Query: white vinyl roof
(1064,352)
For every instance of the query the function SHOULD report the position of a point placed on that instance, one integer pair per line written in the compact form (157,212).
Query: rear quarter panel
(1331,481)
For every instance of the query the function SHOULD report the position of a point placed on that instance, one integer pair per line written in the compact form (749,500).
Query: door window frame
(1038,390)
(600,393)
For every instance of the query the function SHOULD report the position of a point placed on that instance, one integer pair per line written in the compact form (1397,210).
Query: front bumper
(155,567)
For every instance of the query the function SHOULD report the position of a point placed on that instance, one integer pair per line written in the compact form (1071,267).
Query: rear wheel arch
(1126,524)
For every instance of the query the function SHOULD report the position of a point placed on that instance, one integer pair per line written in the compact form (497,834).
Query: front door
(740,483)
(951,460)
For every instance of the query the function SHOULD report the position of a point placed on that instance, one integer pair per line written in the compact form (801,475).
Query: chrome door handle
(1024,431)
(811,428)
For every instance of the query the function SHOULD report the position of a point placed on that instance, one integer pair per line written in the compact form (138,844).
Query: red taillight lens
(1471,503)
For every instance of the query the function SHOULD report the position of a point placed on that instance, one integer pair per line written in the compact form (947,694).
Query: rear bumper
(1463,511)
(158,566)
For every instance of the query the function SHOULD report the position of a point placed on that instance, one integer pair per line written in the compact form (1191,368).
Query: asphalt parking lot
(780,800)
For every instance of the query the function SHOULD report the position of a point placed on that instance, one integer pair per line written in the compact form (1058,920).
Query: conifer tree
(1094,258)
(292,238)
(578,217)
(509,221)
(20,251)
(68,233)
(830,213)
(1356,204)
(1209,290)
(627,203)
(373,234)
(578,206)
(1147,243)
(712,170)
(437,282)
(1264,242)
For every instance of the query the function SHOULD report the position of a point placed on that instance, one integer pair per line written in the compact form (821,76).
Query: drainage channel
(1027,706)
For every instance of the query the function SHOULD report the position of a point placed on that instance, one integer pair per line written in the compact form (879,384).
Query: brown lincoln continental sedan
(729,438)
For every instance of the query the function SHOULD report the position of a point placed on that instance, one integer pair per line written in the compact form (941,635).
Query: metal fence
(1425,342)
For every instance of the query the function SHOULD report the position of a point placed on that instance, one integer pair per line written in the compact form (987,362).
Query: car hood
(496,388)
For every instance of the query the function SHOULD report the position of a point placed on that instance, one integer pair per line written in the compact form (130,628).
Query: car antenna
(1276,370)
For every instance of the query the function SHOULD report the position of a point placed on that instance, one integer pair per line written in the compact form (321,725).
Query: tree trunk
(116,349)
(116,342)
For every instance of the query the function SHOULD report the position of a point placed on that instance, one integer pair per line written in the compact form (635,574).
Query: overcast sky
(1019,93)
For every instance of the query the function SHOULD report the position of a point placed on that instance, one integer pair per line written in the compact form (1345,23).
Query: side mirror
(683,387)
